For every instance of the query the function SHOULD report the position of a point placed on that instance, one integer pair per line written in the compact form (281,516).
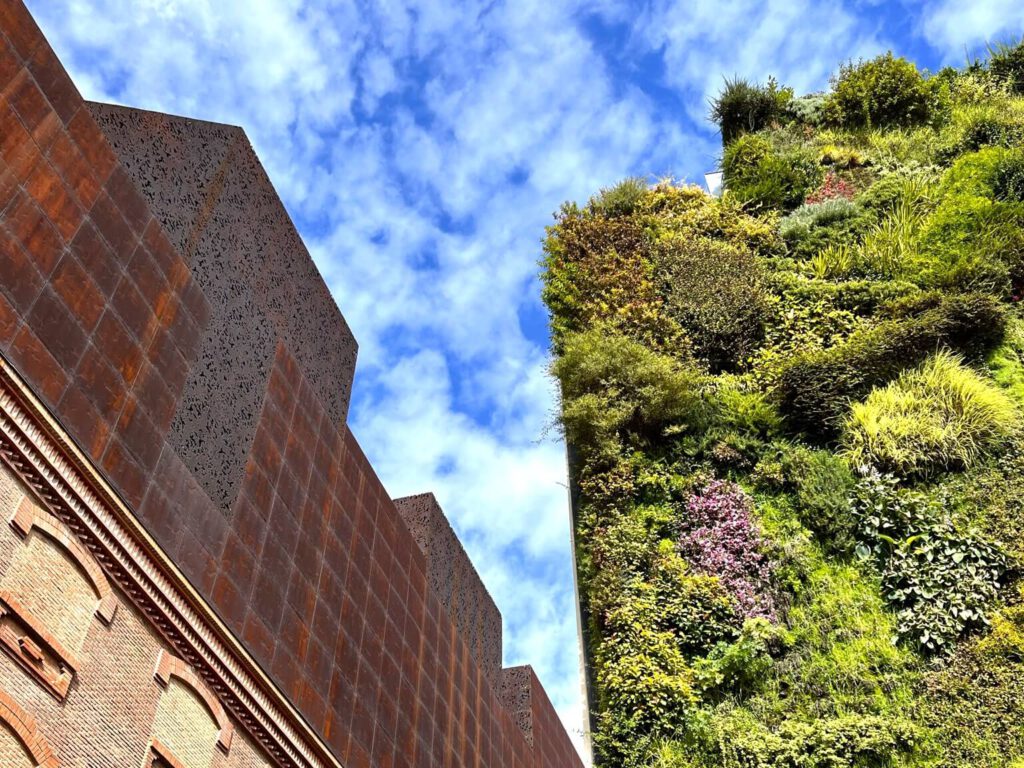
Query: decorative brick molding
(24,727)
(160,756)
(37,449)
(28,517)
(168,666)
(34,647)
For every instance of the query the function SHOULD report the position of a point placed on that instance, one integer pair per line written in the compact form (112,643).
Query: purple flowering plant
(719,537)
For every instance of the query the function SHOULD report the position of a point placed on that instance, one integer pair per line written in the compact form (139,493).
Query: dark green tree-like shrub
(884,91)
(715,292)
(763,177)
(822,483)
(744,107)
(815,390)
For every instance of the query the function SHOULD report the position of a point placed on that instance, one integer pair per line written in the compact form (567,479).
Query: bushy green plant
(646,683)
(941,581)
(974,239)
(739,668)
(734,739)
(765,178)
(815,390)
(599,270)
(612,385)
(806,110)
(715,292)
(1006,65)
(941,416)
(622,199)
(798,223)
(822,483)
(745,107)
(884,91)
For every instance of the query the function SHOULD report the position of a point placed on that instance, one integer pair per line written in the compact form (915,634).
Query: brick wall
(110,712)
(157,297)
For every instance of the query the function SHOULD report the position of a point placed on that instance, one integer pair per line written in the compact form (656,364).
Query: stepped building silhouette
(200,568)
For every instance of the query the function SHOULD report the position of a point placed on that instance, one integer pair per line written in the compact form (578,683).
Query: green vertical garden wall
(795,413)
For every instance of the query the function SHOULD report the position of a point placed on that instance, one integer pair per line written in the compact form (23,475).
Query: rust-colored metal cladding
(174,388)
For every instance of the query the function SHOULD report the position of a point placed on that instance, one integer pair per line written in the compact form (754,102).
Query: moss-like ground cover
(795,413)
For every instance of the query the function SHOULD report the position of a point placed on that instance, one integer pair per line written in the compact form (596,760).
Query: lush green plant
(973,240)
(799,223)
(744,107)
(719,343)
(1006,64)
(940,580)
(807,110)
(740,667)
(734,739)
(612,385)
(621,199)
(715,292)
(822,483)
(763,177)
(884,91)
(940,416)
(816,388)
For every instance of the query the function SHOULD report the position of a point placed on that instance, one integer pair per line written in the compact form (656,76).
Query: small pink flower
(719,537)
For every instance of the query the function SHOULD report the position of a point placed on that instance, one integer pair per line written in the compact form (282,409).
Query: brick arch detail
(168,666)
(28,517)
(24,727)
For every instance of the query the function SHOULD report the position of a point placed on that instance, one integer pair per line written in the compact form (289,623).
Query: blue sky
(422,147)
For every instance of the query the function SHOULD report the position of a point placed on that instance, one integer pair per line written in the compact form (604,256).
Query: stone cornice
(38,450)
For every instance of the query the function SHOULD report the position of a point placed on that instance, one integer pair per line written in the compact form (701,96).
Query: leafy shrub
(815,389)
(646,685)
(622,199)
(1008,184)
(612,385)
(884,91)
(939,580)
(736,740)
(940,416)
(822,484)
(975,706)
(806,110)
(1006,65)
(715,292)
(798,223)
(718,536)
(743,107)
(599,270)
(763,177)
(739,668)
(974,239)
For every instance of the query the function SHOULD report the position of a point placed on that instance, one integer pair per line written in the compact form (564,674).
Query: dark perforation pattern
(175,174)
(516,695)
(206,185)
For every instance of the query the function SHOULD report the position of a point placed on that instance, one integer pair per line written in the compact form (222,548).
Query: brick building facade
(200,567)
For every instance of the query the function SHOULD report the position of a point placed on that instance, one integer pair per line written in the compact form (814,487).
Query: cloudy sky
(422,146)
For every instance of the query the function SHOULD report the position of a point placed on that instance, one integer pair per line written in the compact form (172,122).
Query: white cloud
(801,42)
(956,25)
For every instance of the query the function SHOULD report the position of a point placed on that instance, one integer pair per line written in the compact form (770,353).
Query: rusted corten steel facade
(157,302)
